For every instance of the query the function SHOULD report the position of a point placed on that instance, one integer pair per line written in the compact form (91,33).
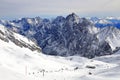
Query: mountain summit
(66,36)
(73,18)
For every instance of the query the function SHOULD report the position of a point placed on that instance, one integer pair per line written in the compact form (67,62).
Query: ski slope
(20,63)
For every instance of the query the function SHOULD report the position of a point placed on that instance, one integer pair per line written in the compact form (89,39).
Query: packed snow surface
(20,63)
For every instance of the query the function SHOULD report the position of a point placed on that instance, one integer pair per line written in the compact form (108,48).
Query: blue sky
(10,9)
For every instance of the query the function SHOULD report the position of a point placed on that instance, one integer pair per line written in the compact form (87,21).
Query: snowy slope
(110,35)
(112,72)
(18,58)
(22,63)
(70,35)
(7,74)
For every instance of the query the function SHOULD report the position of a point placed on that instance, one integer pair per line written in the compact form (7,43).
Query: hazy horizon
(13,9)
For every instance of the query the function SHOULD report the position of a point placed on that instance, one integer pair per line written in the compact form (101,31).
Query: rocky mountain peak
(69,36)
(73,18)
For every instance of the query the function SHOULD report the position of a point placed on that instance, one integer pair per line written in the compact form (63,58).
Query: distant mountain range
(22,59)
(71,35)
(108,21)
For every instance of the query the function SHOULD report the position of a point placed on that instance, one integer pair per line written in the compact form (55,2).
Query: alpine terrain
(71,35)
(64,48)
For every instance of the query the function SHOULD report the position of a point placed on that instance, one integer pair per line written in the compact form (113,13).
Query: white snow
(2,28)
(20,37)
(93,29)
(18,63)
(104,21)
(114,40)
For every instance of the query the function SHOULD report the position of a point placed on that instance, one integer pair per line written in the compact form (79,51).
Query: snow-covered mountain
(104,22)
(9,36)
(71,35)
(22,59)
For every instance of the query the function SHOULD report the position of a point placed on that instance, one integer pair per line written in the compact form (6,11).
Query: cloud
(16,8)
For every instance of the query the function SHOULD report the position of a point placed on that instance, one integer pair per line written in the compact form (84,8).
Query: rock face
(8,35)
(67,36)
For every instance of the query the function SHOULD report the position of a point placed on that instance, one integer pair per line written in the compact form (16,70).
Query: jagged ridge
(8,35)
(66,36)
